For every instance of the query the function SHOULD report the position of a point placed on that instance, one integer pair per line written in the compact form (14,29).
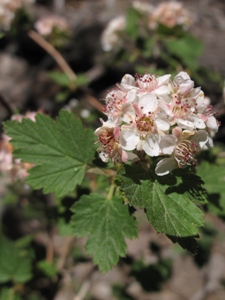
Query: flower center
(106,137)
(182,108)
(185,152)
(147,82)
(114,103)
(145,124)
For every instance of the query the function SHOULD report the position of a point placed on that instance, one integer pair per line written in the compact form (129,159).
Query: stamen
(185,152)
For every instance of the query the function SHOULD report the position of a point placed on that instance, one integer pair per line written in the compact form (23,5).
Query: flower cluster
(8,9)
(55,29)
(13,168)
(46,25)
(169,14)
(157,117)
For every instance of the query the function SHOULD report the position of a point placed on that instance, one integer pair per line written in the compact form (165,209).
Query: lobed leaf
(59,149)
(172,213)
(106,223)
(14,265)
(167,200)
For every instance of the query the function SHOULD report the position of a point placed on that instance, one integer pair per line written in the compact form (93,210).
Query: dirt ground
(187,277)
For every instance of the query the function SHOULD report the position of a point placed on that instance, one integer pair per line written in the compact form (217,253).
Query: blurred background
(69,54)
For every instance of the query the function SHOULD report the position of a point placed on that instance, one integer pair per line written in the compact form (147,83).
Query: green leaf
(187,48)
(49,269)
(173,213)
(167,200)
(81,80)
(135,184)
(60,78)
(132,23)
(63,80)
(106,223)
(64,227)
(59,149)
(15,263)
(214,178)
(9,294)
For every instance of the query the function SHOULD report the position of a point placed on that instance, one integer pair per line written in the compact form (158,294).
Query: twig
(94,102)
(64,253)
(49,251)
(65,67)
(86,285)
(54,53)
(95,72)
(83,290)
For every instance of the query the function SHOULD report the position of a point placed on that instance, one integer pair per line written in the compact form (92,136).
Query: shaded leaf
(187,243)
(167,200)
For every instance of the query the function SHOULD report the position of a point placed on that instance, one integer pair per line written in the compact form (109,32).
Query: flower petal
(212,124)
(128,139)
(162,90)
(162,124)
(191,123)
(165,166)
(127,82)
(148,102)
(167,143)
(151,145)
(181,77)
(163,79)
(201,138)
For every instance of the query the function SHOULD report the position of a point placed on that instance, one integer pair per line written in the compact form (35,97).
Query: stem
(54,53)
(111,191)
(94,102)
(65,251)
(64,65)
(49,251)
(83,290)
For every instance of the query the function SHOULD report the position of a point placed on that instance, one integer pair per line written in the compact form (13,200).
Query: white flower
(117,104)
(146,126)
(182,147)
(170,14)
(46,25)
(110,36)
(157,117)
(108,136)
(183,82)
(143,7)
(150,83)
(8,10)
(146,83)
(184,104)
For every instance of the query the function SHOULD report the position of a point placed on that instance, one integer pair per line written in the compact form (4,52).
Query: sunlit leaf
(60,150)
(106,223)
